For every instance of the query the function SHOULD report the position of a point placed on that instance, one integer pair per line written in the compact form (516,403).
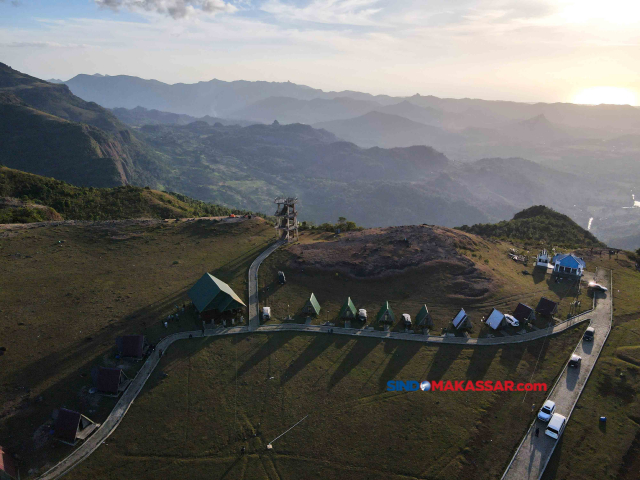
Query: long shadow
(272,345)
(443,359)
(511,356)
(400,356)
(361,348)
(314,349)
(551,471)
(539,274)
(573,373)
(480,361)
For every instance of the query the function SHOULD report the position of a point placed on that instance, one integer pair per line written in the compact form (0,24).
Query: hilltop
(25,197)
(538,224)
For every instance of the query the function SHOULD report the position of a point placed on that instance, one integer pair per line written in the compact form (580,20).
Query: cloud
(42,45)
(176,9)
(350,12)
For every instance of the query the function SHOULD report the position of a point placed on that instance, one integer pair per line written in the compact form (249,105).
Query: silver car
(547,410)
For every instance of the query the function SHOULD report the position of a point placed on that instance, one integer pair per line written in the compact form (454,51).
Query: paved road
(254,318)
(121,408)
(534,453)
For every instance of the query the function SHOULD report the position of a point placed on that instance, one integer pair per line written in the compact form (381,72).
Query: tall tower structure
(286,218)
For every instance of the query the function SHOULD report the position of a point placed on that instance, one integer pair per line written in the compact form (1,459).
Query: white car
(547,410)
(597,286)
(575,360)
(556,426)
(513,321)
(406,318)
(362,315)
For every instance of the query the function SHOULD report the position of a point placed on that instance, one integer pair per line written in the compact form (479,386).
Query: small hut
(348,310)
(496,319)
(423,319)
(461,320)
(8,470)
(211,296)
(131,346)
(72,426)
(524,313)
(312,307)
(546,307)
(385,314)
(111,381)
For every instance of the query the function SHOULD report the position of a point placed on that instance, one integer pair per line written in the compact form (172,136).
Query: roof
(495,319)
(211,293)
(109,379)
(523,312)
(313,303)
(348,306)
(546,306)
(7,464)
(459,318)
(568,260)
(423,316)
(384,309)
(66,426)
(132,345)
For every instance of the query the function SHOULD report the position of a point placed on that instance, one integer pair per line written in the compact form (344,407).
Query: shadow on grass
(272,345)
(480,361)
(539,274)
(400,356)
(442,360)
(551,471)
(361,348)
(314,349)
(511,356)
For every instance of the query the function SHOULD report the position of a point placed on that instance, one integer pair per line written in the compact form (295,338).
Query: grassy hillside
(46,129)
(67,292)
(80,203)
(538,224)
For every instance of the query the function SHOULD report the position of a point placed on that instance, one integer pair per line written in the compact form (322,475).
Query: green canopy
(211,293)
(312,307)
(348,309)
(386,314)
(423,319)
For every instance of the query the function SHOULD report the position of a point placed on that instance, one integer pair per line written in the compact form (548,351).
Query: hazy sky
(496,49)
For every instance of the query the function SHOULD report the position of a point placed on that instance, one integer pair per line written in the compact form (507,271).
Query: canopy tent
(348,309)
(423,319)
(461,320)
(496,319)
(312,307)
(385,315)
(211,293)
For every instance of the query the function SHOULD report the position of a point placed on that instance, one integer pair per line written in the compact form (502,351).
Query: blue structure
(568,264)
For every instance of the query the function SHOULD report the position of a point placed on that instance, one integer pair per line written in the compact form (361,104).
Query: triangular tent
(211,293)
(385,315)
(348,309)
(423,319)
(312,307)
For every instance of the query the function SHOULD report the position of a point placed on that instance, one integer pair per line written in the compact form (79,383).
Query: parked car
(406,319)
(362,315)
(547,410)
(266,313)
(589,334)
(597,286)
(511,320)
(281,278)
(556,426)
(575,360)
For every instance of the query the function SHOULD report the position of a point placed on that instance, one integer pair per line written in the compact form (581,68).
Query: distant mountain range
(45,129)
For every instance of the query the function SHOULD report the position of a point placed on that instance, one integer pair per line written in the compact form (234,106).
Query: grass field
(67,292)
(589,449)
(407,292)
(193,416)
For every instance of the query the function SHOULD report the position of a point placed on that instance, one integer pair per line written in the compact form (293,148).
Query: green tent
(312,307)
(385,315)
(348,310)
(423,319)
(211,293)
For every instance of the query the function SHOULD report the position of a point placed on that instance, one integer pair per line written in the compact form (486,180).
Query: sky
(585,51)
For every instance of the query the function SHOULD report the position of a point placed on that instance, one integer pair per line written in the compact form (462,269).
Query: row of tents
(522,313)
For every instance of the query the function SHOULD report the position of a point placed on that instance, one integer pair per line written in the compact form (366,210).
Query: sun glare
(606,95)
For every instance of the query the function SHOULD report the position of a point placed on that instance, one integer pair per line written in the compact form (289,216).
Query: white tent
(496,319)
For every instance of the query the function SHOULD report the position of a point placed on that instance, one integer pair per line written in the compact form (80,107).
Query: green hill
(25,197)
(538,224)
(47,130)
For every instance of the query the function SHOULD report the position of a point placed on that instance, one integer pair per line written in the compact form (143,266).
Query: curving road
(125,401)
(534,453)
